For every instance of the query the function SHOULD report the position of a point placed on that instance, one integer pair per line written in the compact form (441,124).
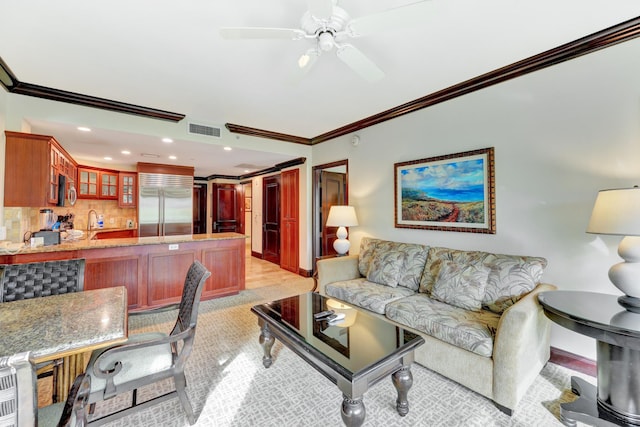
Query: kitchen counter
(84,243)
(153,269)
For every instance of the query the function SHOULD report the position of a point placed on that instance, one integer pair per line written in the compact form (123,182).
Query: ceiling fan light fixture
(303,61)
(325,41)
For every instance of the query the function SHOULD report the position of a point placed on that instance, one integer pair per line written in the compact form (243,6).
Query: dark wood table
(348,353)
(616,398)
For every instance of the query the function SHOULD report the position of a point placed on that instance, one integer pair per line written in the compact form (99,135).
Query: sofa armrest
(336,269)
(521,347)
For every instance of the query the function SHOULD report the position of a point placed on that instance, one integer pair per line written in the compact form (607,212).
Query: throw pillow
(461,285)
(384,268)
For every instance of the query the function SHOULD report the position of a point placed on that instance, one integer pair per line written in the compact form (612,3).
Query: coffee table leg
(402,380)
(266,341)
(353,411)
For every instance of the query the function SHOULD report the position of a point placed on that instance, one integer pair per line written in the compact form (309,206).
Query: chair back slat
(193,284)
(41,279)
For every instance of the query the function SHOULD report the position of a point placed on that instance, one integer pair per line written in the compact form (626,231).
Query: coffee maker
(47,220)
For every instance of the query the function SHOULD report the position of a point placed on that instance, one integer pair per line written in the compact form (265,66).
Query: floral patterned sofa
(477,311)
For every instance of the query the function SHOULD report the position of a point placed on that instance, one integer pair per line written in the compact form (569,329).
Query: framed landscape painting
(455,192)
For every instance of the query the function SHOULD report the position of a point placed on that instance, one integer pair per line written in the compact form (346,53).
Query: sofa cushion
(367,249)
(365,294)
(461,285)
(471,330)
(511,276)
(415,257)
(384,268)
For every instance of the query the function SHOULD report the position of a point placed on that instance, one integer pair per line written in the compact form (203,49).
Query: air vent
(204,130)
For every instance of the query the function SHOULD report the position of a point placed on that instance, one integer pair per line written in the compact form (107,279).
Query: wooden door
(289,221)
(199,208)
(271,219)
(226,208)
(332,190)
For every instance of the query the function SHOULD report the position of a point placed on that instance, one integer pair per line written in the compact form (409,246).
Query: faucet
(89,219)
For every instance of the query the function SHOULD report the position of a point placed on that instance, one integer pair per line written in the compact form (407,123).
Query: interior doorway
(330,187)
(271,219)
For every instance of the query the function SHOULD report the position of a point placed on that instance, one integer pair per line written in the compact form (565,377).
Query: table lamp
(617,212)
(341,217)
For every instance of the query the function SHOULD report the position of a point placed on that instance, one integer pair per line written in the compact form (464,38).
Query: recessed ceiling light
(246,171)
(227,148)
(107,158)
(125,152)
(167,140)
(172,157)
(84,129)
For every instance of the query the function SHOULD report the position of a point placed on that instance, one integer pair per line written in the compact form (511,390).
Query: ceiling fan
(328,26)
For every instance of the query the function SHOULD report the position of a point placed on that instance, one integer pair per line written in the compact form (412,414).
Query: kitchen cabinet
(127,194)
(94,183)
(33,166)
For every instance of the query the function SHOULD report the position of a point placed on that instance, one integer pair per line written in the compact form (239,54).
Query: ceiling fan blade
(261,33)
(321,9)
(359,63)
(399,17)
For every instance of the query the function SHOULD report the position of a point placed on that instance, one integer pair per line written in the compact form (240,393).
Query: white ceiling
(169,55)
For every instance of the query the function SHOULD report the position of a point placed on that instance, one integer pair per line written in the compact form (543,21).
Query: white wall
(560,135)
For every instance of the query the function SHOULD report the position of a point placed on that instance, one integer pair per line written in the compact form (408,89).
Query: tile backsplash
(20,220)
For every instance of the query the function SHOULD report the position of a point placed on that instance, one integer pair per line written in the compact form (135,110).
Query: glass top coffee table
(354,353)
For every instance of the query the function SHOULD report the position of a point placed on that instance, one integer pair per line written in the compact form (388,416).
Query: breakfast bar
(152,269)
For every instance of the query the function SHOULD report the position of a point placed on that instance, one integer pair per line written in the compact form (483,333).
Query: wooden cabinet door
(166,273)
(106,268)
(226,263)
(289,235)
(127,194)
(26,173)
(87,183)
(108,185)
(54,170)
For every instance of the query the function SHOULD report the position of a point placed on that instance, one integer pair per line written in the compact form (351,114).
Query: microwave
(66,198)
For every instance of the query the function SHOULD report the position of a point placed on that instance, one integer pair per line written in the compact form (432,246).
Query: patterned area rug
(228,386)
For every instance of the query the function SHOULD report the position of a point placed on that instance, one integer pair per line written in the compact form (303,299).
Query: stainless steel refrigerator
(165,204)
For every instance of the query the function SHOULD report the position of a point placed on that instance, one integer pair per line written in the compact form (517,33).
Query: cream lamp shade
(617,212)
(341,217)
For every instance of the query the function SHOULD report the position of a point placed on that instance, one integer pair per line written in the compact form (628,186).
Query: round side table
(616,399)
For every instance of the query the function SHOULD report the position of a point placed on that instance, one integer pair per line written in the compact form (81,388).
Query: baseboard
(573,361)
(256,254)
(304,273)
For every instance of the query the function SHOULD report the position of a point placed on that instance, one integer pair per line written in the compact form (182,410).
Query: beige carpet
(228,386)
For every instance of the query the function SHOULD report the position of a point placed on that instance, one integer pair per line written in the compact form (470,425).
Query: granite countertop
(127,241)
(59,325)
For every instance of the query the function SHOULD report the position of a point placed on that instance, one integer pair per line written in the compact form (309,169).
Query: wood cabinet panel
(127,194)
(115,271)
(289,234)
(226,264)
(94,183)
(166,275)
(32,165)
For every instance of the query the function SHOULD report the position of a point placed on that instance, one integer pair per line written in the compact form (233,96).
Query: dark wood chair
(18,397)
(150,357)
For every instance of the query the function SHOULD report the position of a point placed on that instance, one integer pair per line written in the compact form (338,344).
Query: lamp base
(630,303)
